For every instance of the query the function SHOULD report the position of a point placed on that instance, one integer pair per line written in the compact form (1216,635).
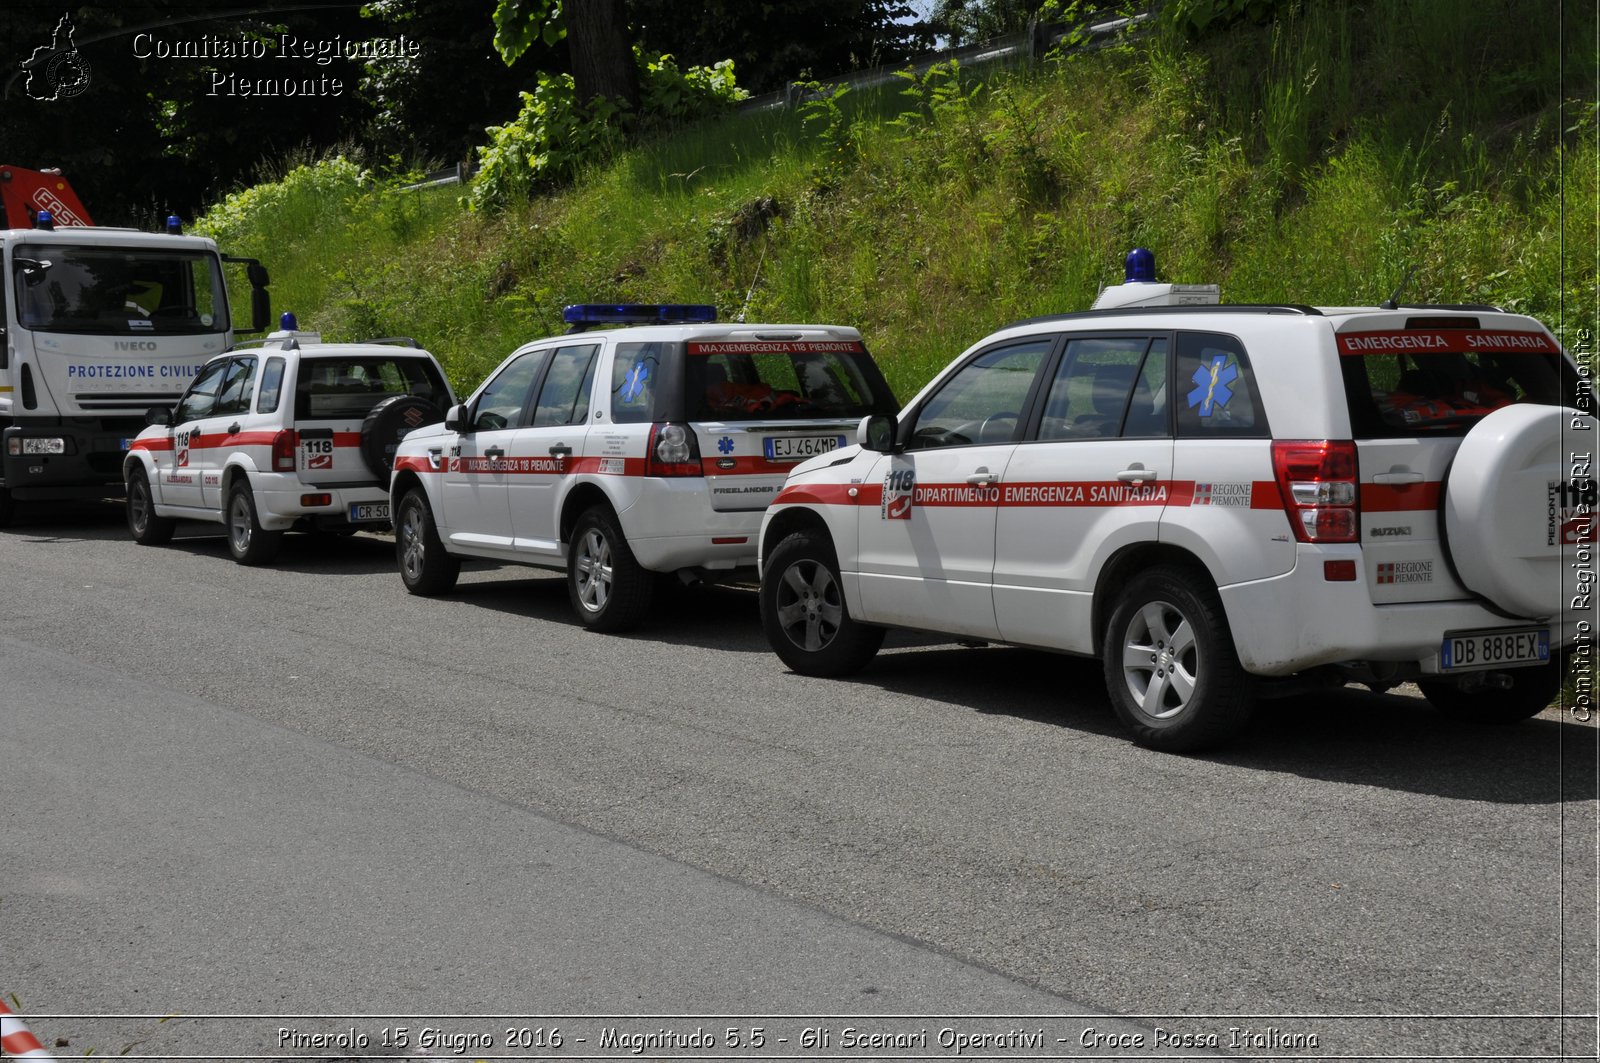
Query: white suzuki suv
(294,433)
(1214,499)
(622,453)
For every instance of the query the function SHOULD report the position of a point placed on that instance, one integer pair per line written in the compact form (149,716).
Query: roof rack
(1202,308)
(1481,308)
(405,340)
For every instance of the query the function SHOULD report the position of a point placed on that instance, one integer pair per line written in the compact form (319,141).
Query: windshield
(113,291)
(805,380)
(1443,381)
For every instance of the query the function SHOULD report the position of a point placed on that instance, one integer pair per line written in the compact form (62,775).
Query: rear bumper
(1300,620)
(279,505)
(671,526)
(90,468)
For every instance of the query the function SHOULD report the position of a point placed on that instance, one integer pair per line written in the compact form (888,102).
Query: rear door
(333,395)
(1095,475)
(541,456)
(760,406)
(1416,386)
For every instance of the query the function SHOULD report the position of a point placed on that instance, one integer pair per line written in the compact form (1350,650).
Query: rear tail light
(284,444)
(313,501)
(673,451)
(1318,480)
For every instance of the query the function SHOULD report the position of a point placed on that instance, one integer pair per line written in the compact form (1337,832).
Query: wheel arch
(1122,566)
(403,482)
(786,522)
(582,497)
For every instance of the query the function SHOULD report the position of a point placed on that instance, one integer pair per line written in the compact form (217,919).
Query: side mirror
(158,415)
(257,273)
(457,419)
(877,432)
(260,310)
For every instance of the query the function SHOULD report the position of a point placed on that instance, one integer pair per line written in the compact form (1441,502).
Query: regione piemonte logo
(57,71)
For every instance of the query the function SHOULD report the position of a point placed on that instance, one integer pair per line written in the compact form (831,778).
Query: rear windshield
(797,379)
(350,387)
(1443,381)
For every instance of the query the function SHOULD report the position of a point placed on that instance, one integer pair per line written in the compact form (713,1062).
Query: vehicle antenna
(753,281)
(1392,302)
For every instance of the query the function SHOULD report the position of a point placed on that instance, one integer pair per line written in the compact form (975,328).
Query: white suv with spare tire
(294,433)
(1220,501)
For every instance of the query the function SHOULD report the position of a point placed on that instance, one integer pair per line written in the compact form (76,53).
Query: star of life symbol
(1212,385)
(634,382)
(57,71)
(725,444)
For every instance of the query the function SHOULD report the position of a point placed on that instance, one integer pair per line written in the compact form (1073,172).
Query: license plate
(1466,650)
(361,512)
(797,448)
(44,446)
(127,444)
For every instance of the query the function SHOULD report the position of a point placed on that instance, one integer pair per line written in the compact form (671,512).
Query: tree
(599,49)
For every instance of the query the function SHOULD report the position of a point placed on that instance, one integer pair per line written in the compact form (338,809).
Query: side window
(1107,387)
(633,381)
(983,400)
(234,397)
(1214,389)
(201,398)
(506,396)
(564,398)
(271,386)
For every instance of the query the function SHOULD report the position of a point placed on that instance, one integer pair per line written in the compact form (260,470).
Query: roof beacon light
(586,315)
(44,220)
(1140,287)
(174,225)
(288,323)
(1139,267)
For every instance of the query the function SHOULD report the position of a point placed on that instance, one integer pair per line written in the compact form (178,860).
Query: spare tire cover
(387,424)
(1503,506)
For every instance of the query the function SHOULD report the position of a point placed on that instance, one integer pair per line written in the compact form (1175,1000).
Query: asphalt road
(956,830)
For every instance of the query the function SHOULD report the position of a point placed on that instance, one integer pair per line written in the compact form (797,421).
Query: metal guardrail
(1026,46)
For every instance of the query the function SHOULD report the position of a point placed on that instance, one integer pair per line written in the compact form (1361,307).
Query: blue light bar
(638,314)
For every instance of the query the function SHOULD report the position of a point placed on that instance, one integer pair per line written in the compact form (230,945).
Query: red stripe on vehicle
(825,495)
(1399,498)
(415,464)
(1264,494)
(151,444)
(1422,341)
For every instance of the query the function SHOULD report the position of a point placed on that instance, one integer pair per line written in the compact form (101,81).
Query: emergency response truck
(100,324)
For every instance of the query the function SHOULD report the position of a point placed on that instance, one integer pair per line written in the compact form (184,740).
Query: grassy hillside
(1314,160)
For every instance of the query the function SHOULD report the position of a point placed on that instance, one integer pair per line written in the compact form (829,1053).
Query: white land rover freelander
(294,433)
(622,453)
(1206,496)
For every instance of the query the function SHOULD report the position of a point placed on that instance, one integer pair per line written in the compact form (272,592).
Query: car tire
(146,527)
(1531,690)
(1171,669)
(608,588)
(425,567)
(248,541)
(387,423)
(804,614)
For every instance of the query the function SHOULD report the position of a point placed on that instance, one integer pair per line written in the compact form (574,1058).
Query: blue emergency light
(1140,266)
(174,225)
(288,323)
(582,315)
(44,220)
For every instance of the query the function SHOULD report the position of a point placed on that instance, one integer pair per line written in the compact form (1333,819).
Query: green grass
(1316,160)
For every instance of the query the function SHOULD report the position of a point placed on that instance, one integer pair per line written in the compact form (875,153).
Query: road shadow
(70,521)
(1345,735)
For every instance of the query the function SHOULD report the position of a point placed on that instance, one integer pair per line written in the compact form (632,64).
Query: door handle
(233,429)
(1398,475)
(1136,473)
(981,475)
(494,452)
(560,450)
